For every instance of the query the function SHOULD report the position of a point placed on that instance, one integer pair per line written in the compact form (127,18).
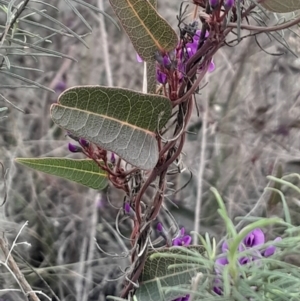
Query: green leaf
(85,171)
(158,269)
(120,120)
(146,29)
(281,6)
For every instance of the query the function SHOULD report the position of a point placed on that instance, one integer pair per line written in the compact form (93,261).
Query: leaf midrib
(146,28)
(167,276)
(106,117)
(62,167)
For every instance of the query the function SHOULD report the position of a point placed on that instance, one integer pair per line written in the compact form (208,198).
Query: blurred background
(247,128)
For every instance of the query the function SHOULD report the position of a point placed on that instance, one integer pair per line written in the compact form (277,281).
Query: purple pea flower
(253,239)
(165,62)
(161,77)
(163,233)
(269,251)
(191,49)
(182,240)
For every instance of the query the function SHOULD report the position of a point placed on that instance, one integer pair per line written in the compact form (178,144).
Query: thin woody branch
(13,267)
(261,29)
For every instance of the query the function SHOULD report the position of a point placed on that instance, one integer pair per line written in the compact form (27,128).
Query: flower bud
(128,210)
(74,148)
(228,4)
(161,77)
(159,227)
(113,158)
(84,142)
(213,3)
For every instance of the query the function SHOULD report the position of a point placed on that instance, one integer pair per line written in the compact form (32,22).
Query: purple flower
(182,240)
(159,227)
(113,158)
(74,148)
(128,210)
(139,59)
(253,239)
(228,4)
(165,62)
(161,77)
(222,261)
(127,207)
(192,46)
(218,286)
(83,142)
(269,251)
(191,49)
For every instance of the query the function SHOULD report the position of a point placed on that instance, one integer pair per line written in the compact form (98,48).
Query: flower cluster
(253,240)
(177,58)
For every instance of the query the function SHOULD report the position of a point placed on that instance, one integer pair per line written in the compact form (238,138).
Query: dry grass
(243,147)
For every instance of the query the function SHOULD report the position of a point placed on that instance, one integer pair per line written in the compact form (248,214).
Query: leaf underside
(280,6)
(85,171)
(157,271)
(146,29)
(119,120)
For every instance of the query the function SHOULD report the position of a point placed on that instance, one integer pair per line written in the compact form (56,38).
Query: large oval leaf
(119,120)
(147,30)
(156,270)
(281,6)
(85,171)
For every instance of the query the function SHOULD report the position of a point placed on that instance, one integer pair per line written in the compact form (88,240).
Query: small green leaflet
(84,171)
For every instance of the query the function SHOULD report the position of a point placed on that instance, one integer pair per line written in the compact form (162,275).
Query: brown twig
(13,267)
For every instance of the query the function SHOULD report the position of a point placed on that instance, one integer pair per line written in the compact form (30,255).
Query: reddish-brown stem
(138,198)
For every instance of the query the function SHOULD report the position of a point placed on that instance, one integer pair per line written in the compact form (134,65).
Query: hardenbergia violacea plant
(133,141)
